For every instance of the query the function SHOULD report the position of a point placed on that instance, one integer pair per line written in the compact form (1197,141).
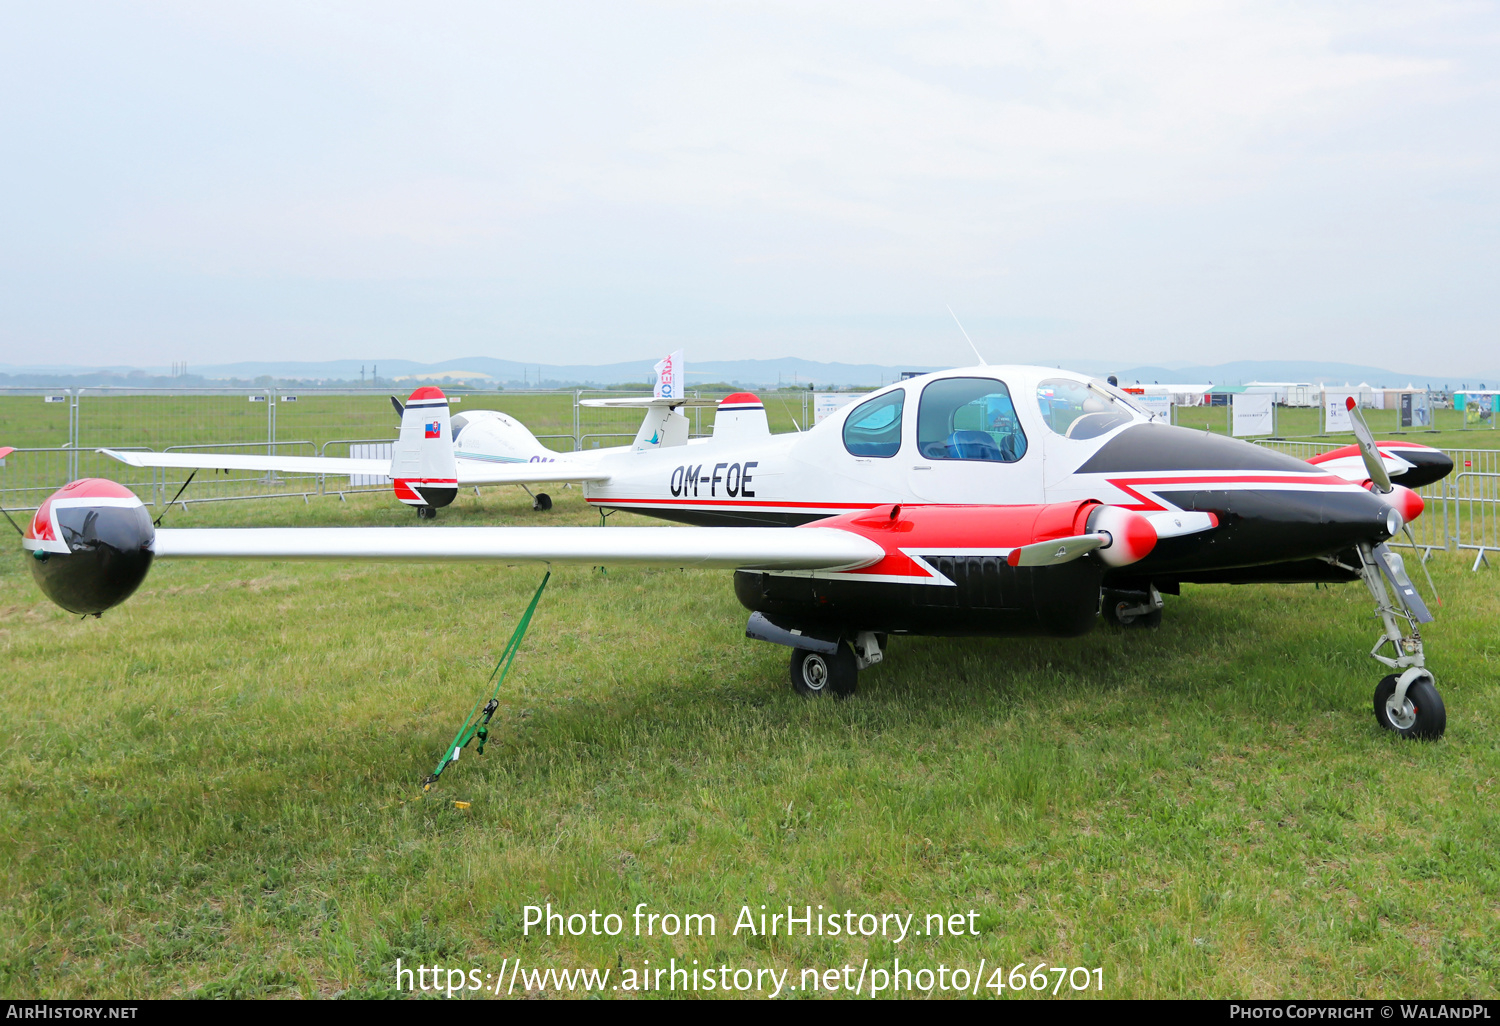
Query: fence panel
(1432,531)
(55,432)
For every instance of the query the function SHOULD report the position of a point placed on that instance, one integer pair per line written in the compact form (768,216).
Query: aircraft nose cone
(1427,466)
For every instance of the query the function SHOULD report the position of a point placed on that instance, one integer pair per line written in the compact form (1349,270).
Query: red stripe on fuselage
(741,503)
(1159,483)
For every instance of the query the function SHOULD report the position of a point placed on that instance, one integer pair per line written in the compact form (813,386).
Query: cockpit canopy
(973,415)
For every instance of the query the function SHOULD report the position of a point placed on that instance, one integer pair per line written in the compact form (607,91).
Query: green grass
(214,789)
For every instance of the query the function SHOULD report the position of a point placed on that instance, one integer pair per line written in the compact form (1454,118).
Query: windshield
(1077,409)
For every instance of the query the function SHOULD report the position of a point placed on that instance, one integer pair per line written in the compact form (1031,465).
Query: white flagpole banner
(1253,413)
(1336,411)
(671,377)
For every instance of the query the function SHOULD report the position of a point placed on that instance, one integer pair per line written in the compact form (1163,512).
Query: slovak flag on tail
(423,467)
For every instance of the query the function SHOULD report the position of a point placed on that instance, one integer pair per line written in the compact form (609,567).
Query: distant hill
(483,370)
(786,371)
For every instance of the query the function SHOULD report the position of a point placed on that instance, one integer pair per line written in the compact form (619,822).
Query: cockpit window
(969,419)
(874,427)
(1074,409)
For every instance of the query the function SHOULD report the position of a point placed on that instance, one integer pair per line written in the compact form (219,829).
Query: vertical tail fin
(662,426)
(741,417)
(422,462)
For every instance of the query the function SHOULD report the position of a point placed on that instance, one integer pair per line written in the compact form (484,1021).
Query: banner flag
(1254,413)
(671,377)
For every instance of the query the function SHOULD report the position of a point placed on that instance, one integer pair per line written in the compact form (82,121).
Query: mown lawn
(214,789)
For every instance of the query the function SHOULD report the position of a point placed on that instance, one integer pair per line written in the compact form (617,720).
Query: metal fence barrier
(1462,511)
(56,433)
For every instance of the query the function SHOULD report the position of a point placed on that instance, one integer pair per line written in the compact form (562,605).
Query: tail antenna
(982,361)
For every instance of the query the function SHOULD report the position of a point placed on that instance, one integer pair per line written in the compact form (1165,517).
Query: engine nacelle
(90,545)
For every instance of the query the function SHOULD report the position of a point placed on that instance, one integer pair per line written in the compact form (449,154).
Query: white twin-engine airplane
(985,501)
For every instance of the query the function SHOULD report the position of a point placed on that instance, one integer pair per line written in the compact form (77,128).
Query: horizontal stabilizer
(759,548)
(645,402)
(476,472)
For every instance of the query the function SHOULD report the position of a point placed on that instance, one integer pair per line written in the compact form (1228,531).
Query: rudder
(422,463)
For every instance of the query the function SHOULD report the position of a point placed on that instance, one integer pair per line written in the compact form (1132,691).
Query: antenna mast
(967,339)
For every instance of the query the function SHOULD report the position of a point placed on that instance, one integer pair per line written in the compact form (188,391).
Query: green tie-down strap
(477,723)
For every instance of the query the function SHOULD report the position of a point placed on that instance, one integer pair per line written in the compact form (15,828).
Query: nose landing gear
(1406,702)
(1132,608)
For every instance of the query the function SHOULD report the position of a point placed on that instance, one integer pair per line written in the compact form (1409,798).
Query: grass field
(214,789)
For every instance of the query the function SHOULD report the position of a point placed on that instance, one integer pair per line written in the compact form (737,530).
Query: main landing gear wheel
(1124,609)
(426,513)
(814,673)
(1421,715)
(541,502)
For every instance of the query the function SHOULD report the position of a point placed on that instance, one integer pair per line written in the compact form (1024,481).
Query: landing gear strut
(1132,608)
(1406,702)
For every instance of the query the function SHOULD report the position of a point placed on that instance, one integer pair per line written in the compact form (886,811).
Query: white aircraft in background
(487,448)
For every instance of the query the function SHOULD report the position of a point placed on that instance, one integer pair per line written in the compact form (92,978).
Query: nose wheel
(1417,714)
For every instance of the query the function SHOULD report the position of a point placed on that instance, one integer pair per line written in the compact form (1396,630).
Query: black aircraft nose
(1427,466)
(1275,525)
(1272,507)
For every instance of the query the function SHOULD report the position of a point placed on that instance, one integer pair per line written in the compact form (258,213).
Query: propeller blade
(1059,550)
(1373,461)
(1413,539)
(400,410)
(1394,569)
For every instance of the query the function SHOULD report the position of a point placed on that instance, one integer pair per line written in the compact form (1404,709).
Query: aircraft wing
(760,548)
(470,472)
(227,461)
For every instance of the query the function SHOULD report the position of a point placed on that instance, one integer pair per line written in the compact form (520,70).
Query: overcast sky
(584,183)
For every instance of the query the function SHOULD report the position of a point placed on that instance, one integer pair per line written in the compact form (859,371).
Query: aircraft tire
(541,502)
(814,673)
(1114,602)
(426,513)
(1423,717)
